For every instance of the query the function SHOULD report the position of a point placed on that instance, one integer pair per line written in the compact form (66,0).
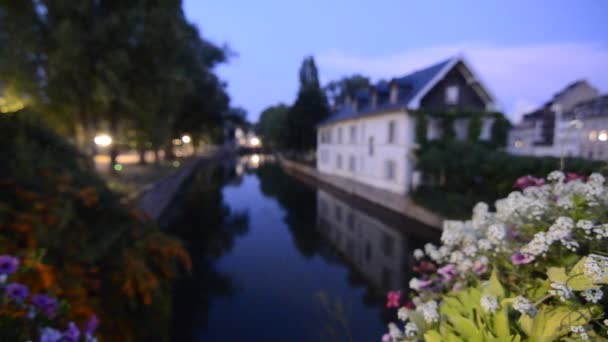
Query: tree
(308,111)
(338,90)
(272,125)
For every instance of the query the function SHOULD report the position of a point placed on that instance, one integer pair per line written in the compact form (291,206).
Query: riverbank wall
(401,204)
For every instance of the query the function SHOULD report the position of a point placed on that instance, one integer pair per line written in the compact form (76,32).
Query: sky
(523,51)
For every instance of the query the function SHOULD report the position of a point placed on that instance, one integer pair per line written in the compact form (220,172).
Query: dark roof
(409,86)
(595,107)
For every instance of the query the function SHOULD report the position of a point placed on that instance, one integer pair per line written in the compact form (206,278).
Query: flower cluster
(38,307)
(556,227)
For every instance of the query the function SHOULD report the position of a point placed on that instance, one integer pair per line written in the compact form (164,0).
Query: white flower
(606,322)
(429,311)
(452,232)
(403,313)
(416,284)
(496,233)
(601,231)
(593,295)
(596,178)
(456,257)
(580,330)
(489,303)
(394,331)
(538,246)
(524,306)
(484,244)
(470,250)
(418,254)
(563,291)
(556,176)
(585,225)
(464,265)
(411,330)
(596,266)
(429,247)
(565,202)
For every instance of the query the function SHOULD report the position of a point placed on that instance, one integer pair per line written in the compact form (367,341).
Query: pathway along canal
(275,259)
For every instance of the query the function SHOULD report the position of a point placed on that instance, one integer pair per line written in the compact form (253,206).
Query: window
(389,169)
(388,245)
(603,136)
(352,164)
(338,213)
(370,146)
(353,134)
(339,135)
(451,94)
(339,161)
(519,143)
(324,156)
(391,132)
(350,221)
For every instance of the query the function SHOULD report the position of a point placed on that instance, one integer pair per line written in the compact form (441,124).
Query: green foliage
(500,130)
(271,126)
(480,170)
(475,125)
(99,253)
(448,131)
(421,128)
(338,90)
(307,112)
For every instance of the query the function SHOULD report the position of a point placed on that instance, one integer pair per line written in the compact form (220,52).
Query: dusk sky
(524,51)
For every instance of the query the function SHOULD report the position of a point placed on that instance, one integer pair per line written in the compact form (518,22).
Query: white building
(372,138)
(553,129)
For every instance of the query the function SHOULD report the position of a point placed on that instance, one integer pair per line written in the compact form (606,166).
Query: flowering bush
(536,269)
(25,316)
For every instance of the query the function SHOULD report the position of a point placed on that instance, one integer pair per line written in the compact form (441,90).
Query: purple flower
(46,304)
(519,258)
(8,264)
(448,272)
(48,334)
(72,333)
(479,267)
(17,292)
(387,338)
(92,325)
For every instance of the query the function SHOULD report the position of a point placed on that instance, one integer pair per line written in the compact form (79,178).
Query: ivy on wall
(421,128)
(475,123)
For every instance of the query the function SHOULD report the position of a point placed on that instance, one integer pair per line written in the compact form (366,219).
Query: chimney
(374,100)
(394,90)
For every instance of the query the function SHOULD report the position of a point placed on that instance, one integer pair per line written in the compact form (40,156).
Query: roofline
(401,108)
(415,101)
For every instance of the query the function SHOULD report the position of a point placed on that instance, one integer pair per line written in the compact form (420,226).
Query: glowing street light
(186,139)
(255,142)
(103,140)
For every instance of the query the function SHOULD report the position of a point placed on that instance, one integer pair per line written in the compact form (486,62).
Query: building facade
(572,124)
(371,139)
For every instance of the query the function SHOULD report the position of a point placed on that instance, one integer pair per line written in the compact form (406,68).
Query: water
(275,259)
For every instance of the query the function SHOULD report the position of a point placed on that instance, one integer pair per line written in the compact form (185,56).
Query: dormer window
(451,94)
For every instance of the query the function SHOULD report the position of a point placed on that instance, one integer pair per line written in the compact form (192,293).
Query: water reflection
(284,260)
(375,249)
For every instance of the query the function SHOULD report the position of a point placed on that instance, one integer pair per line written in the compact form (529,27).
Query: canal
(278,259)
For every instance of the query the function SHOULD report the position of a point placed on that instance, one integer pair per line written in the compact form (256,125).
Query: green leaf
(551,322)
(501,322)
(493,286)
(557,275)
(465,328)
(579,281)
(432,336)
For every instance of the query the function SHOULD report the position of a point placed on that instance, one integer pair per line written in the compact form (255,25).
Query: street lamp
(186,139)
(255,142)
(103,140)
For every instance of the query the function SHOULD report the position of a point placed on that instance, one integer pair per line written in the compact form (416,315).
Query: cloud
(521,77)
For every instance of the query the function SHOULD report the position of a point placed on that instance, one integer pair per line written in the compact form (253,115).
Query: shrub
(534,270)
(88,246)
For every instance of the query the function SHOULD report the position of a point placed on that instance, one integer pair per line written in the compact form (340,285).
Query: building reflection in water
(377,250)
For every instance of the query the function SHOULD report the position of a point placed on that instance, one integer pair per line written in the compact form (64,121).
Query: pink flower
(479,267)
(409,305)
(527,181)
(457,287)
(386,338)
(570,176)
(392,299)
(448,272)
(519,258)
